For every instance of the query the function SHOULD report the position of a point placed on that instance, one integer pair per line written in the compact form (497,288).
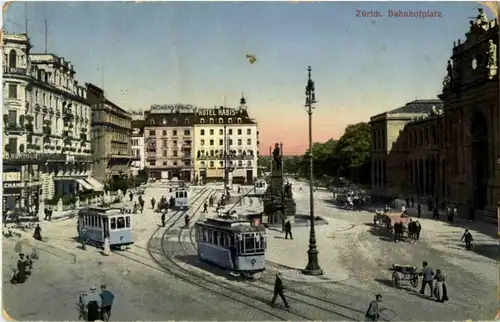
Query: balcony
(14,128)
(14,70)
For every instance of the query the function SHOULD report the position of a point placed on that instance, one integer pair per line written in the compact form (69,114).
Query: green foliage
(349,156)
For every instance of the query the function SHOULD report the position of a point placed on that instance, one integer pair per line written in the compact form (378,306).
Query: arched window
(164,121)
(239,120)
(202,121)
(175,121)
(12,59)
(44,99)
(221,120)
(186,121)
(230,120)
(211,121)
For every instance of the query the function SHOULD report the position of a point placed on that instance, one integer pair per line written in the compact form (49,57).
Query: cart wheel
(414,282)
(395,279)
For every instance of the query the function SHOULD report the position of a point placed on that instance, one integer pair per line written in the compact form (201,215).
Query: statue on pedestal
(277,157)
(448,78)
(481,20)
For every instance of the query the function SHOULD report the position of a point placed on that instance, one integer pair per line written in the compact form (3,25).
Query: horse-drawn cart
(404,273)
(388,219)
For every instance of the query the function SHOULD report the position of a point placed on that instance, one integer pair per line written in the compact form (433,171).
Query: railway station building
(451,154)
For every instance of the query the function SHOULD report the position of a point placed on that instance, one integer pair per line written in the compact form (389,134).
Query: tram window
(120,222)
(113,223)
(127,221)
(92,221)
(249,243)
(99,219)
(217,238)
(205,235)
(86,220)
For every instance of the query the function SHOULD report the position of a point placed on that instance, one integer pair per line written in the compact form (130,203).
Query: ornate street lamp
(312,267)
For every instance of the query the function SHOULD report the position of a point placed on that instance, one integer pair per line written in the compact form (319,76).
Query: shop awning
(96,185)
(84,184)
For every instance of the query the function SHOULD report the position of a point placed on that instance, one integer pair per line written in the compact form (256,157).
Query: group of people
(97,306)
(436,282)
(23,268)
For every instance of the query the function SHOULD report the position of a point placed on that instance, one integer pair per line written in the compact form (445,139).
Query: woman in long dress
(440,291)
(106,246)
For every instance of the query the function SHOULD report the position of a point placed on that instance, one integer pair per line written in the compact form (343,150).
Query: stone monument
(279,205)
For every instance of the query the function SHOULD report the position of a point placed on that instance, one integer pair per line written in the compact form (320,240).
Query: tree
(353,152)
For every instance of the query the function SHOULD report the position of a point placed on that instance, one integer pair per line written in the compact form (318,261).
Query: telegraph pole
(46,32)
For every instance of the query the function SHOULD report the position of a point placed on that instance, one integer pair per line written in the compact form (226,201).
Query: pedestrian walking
(435,213)
(107,299)
(468,239)
(153,202)
(107,245)
(288,230)
(278,290)
(373,312)
(92,304)
(83,238)
(427,278)
(412,201)
(418,228)
(205,208)
(163,216)
(440,291)
(419,211)
(131,196)
(38,233)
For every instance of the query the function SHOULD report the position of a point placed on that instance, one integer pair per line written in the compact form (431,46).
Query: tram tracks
(298,296)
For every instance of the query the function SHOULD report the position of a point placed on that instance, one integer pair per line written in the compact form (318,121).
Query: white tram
(260,187)
(181,196)
(233,244)
(94,223)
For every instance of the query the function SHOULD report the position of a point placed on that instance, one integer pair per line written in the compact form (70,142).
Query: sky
(194,53)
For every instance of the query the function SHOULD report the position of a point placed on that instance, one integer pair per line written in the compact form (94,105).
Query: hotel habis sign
(187,108)
(216,112)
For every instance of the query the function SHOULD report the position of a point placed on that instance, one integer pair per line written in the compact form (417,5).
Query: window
(202,142)
(175,163)
(175,121)
(211,142)
(221,132)
(186,121)
(174,132)
(230,120)
(230,141)
(221,163)
(221,121)
(127,221)
(113,223)
(12,90)
(165,163)
(211,153)
(164,121)
(249,131)
(230,131)
(239,132)
(221,142)
(175,153)
(151,133)
(239,141)
(202,132)
(164,143)
(187,132)
(249,163)
(164,133)
(240,163)
(12,117)
(202,121)
(249,141)
(174,142)
(211,164)
(12,59)
(120,222)
(152,163)
(211,121)
(164,153)
(239,120)
(99,222)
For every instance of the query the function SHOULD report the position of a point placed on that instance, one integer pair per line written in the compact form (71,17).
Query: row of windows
(174,143)
(248,243)
(229,132)
(135,142)
(175,153)
(379,140)
(202,121)
(221,142)
(231,163)
(174,163)
(233,152)
(116,223)
(174,133)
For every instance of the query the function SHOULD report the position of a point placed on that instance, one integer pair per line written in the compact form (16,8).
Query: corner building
(46,137)
(226,136)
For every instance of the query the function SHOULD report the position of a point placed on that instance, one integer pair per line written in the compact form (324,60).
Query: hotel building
(47,123)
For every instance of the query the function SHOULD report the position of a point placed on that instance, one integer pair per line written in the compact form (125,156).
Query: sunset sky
(194,53)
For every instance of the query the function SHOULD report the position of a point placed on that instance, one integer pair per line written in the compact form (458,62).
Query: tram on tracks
(260,187)
(232,243)
(181,198)
(95,223)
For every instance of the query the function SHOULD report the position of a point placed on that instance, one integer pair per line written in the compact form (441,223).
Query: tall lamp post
(312,267)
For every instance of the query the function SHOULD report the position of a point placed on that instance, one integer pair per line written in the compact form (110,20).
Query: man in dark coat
(278,290)
(107,299)
(418,228)
(427,278)
(419,211)
(38,233)
(21,269)
(373,312)
(288,230)
(163,215)
(468,239)
(93,304)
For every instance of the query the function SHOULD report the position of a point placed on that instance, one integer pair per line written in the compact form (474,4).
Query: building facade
(389,152)
(137,145)
(226,136)
(168,134)
(451,154)
(111,137)
(47,151)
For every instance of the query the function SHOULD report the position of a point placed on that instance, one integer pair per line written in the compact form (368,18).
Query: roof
(167,119)
(138,124)
(418,107)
